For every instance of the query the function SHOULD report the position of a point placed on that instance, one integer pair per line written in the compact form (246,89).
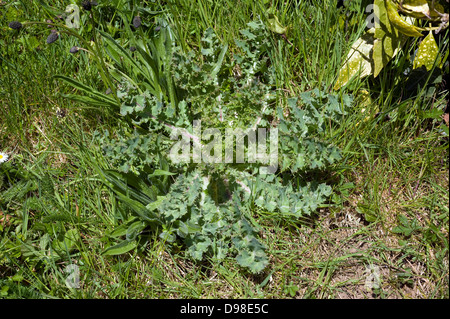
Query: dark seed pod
(52,37)
(61,112)
(74,50)
(87,5)
(132,49)
(137,22)
(16,25)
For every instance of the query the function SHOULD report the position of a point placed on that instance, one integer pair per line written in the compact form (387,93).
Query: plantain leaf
(96,98)
(88,100)
(219,61)
(427,53)
(120,248)
(122,229)
(134,229)
(84,88)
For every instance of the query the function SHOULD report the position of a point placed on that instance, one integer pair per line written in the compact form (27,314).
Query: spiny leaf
(252,260)
(159,172)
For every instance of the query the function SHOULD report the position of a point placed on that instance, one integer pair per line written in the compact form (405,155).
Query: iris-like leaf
(96,98)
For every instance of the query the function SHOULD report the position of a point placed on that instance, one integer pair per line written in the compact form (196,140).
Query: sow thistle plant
(210,207)
(207,208)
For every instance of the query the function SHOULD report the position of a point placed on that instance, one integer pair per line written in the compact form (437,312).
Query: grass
(393,170)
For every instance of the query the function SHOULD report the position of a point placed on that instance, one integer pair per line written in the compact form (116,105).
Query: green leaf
(219,62)
(406,226)
(134,229)
(416,8)
(200,245)
(154,205)
(359,60)
(388,41)
(431,114)
(120,248)
(122,229)
(68,242)
(160,172)
(95,95)
(427,53)
(399,23)
(275,25)
(167,236)
(252,260)
(131,185)
(119,50)
(88,100)
(182,229)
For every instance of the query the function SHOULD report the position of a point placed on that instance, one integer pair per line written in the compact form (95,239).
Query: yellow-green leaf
(427,53)
(387,42)
(437,7)
(420,9)
(398,22)
(275,25)
(416,8)
(382,24)
(359,60)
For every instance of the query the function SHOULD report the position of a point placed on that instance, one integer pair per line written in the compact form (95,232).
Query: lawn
(118,178)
